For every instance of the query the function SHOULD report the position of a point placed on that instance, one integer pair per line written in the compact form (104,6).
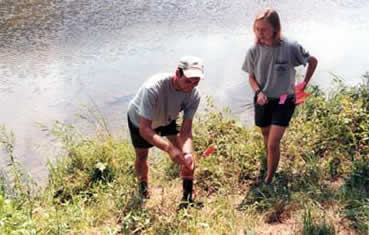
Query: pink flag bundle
(300,94)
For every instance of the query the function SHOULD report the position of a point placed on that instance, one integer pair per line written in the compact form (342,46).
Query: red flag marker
(208,152)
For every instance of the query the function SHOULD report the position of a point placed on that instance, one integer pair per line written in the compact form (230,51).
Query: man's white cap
(192,66)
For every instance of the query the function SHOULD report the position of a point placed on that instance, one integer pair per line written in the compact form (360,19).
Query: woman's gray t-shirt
(159,101)
(274,66)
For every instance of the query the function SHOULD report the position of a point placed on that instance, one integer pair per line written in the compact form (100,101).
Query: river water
(56,56)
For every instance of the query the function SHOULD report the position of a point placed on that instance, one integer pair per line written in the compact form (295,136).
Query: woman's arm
(261,98)
(312,63)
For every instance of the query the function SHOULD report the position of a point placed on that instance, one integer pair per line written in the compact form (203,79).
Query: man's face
(187,84)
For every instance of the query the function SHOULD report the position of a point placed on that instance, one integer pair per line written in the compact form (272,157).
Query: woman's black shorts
(274,113)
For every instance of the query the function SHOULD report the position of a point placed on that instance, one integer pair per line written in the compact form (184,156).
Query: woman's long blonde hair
(272,17)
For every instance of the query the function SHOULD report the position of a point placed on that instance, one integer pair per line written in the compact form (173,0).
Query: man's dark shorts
(139,142)
(274,113)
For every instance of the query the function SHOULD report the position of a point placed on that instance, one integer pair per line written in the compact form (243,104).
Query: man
(152,114)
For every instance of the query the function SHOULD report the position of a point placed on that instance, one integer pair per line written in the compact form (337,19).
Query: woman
(271,63)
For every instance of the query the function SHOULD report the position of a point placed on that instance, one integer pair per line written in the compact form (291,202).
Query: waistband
(289,97)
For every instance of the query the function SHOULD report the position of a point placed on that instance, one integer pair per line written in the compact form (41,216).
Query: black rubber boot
(187,194)
(187,190)
(143,190)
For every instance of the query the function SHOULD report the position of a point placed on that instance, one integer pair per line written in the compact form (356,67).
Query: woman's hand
(261,99)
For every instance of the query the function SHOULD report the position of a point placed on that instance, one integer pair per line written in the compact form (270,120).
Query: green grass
(321,186)
(313,228)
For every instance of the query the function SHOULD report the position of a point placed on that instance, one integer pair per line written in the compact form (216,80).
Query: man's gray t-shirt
(159,101)
(274,67)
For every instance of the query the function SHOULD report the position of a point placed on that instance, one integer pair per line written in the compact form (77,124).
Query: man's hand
(176,155)
(187,170)
(189,161)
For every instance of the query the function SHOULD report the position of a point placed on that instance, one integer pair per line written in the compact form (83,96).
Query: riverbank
(321,186)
